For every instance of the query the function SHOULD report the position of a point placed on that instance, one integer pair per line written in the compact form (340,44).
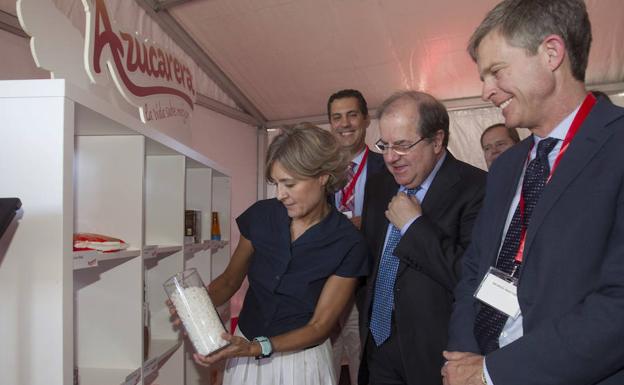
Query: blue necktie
(490,322)
(383,300)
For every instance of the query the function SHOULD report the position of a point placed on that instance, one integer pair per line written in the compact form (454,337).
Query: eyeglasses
(399,149)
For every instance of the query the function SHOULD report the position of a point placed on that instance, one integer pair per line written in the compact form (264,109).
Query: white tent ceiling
(279,60)
(288,56)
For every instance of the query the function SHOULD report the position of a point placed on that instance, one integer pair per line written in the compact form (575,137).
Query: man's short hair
(600,94)
(432,113)
(525,24)
(348,93)
(511,132)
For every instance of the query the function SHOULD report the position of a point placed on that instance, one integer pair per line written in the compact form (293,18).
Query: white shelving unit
(201,195)
(80,164)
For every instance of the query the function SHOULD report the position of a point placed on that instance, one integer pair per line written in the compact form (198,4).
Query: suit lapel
(375,163)
(511,173)
(587,143)
(437,196)
(441,185)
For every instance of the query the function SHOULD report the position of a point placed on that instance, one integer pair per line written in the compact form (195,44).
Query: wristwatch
(266,346)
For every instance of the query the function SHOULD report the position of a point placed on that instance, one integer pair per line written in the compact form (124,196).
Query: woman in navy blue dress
(302,259)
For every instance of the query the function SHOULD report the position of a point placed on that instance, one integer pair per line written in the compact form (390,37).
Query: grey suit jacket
(571,283)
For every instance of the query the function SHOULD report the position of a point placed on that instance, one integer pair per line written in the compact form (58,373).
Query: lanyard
(582,113)
(347,191)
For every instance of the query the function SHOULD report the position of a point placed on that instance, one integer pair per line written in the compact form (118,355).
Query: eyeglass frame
(385,147)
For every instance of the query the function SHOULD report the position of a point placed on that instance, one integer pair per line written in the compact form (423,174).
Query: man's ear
(554,48)
(438,140)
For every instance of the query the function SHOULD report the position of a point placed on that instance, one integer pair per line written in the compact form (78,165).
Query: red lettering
(138,57)
(152,66)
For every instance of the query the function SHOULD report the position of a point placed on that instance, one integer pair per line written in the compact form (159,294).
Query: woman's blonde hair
(309,152)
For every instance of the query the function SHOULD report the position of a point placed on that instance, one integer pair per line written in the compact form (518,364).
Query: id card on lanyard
(499,289)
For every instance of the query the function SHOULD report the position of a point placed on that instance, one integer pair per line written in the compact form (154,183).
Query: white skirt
(305,367)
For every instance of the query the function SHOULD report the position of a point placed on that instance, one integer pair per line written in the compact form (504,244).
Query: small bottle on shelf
(215,229)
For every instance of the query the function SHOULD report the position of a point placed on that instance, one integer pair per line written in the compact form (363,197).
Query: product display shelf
(193,248)
(160,352)
(164,225)
(157,251)
(203,194)
(85,259)
(80,164)
(210,244)
(215,246)
(199,198)
(107,296)
(221,198)
(97,376)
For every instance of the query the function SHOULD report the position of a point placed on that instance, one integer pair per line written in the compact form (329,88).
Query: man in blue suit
(547,254)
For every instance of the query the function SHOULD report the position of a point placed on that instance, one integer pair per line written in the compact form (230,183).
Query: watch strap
(265,345)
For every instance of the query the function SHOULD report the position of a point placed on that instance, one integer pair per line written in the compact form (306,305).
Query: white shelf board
(108,376)
(159,353)
(158,251)
(214,245)
(85,259)
(210,244)
(193,248)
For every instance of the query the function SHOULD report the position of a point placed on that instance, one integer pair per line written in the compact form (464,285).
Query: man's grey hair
(525,24)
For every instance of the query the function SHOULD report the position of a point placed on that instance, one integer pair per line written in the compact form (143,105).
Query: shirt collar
(561,130)
(358,158)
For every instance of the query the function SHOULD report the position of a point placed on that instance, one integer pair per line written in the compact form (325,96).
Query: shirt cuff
(488,379)
(408,224)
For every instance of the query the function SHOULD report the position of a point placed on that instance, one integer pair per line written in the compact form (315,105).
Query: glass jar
(197,312)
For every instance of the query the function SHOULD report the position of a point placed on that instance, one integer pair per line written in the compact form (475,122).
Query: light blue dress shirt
(420,195)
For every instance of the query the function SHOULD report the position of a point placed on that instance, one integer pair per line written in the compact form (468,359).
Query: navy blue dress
(286,278)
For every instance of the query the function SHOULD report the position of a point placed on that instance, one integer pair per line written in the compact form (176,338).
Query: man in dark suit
(553,220)
(347,111)
(417,241)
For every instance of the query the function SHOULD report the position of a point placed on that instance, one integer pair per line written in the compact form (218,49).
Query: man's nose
(488,90)
(390,156)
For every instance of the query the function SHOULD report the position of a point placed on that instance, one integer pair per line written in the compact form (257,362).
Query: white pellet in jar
(200,319)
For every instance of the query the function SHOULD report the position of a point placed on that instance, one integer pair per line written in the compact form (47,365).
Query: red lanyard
(582,113)
(347,191)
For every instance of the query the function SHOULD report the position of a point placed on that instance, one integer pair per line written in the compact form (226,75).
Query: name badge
(499,290)
(348,214)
